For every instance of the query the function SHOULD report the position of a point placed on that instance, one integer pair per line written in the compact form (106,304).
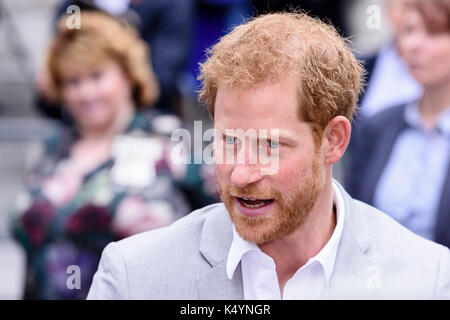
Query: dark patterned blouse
(64,221)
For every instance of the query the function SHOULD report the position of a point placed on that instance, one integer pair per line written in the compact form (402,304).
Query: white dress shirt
(258,269)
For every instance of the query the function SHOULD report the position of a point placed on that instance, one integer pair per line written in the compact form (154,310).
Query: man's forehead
(276,98)
(270,106)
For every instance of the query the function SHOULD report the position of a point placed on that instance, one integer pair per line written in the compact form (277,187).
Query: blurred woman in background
(110,175)
(401,162)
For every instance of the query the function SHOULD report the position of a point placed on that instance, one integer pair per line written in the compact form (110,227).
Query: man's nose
(246,170)
(245,174)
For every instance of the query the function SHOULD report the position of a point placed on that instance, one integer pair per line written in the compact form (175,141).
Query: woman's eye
(97,75)
(72,82)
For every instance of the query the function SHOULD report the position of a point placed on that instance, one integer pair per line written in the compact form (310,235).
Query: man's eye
(230,140)
(274,144)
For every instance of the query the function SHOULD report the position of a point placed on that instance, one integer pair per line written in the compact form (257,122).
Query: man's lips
(249,206)
(253,202)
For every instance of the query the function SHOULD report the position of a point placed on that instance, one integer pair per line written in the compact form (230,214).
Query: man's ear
(336,137)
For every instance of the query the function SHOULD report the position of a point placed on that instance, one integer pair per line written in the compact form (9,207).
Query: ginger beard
(289,213)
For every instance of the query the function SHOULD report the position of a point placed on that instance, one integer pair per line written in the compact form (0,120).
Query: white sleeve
(110,280)
(443,277)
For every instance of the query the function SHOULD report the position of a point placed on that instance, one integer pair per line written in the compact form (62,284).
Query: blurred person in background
(401,163)
(389,82)
(107,177)
(166,26)
(333,11)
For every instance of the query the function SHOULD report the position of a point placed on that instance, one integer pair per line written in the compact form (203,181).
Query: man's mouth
(253,202)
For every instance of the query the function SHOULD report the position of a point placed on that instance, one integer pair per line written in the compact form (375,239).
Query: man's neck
(294,251)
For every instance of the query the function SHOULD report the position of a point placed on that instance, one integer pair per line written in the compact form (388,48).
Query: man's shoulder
(165,263)
(176,241)
(390,240)
(378,247)
(385,238)
(184,232)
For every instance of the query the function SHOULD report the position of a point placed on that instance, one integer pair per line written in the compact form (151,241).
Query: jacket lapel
(354,274)
(215,285)
(352,270)
(215,241)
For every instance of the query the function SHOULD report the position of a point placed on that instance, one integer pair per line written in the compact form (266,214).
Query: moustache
(251,191)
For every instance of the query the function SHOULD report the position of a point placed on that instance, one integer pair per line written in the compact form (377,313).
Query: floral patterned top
(62,220)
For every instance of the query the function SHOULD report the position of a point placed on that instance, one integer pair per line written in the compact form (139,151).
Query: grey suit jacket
(377,258)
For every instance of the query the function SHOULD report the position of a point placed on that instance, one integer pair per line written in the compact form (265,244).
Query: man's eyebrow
(282,135)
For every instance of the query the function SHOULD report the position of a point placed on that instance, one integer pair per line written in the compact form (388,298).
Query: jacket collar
(354,264)
(215,241)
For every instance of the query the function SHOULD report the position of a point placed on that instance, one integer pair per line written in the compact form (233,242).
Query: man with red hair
(292,233)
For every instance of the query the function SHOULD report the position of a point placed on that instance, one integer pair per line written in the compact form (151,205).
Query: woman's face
(427,54)
(96,98)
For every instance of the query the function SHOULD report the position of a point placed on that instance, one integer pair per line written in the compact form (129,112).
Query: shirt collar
(326,256)
(414,119)
(239,247)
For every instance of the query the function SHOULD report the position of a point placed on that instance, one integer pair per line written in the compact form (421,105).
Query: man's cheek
(223,171)
(287,175)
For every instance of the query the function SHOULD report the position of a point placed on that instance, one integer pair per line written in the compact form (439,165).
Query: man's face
(262,207)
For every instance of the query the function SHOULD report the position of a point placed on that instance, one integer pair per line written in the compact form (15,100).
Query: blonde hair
(101,38)
(272,46)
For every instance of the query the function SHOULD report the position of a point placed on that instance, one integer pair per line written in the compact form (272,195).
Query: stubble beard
(288,213)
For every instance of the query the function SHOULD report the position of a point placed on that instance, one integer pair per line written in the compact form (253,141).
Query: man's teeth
(254,205)
(259,203)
